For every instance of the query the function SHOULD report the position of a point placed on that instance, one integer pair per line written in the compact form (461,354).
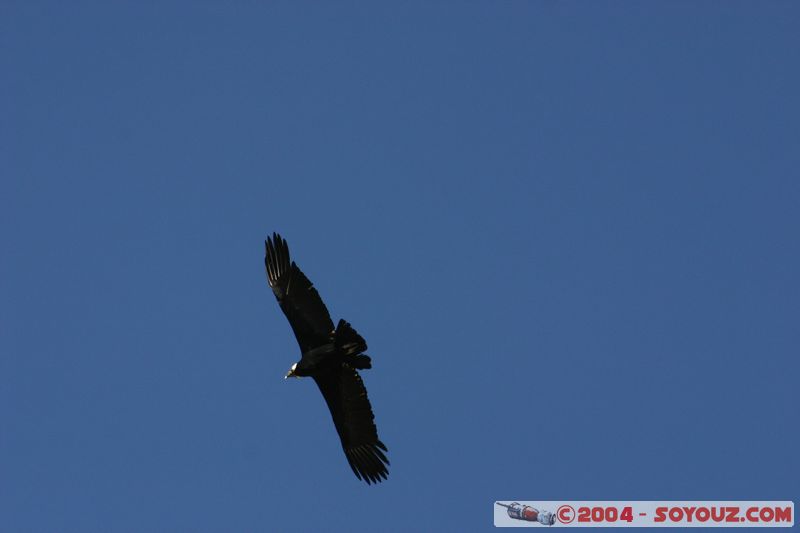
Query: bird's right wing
(297,296)
(352,415)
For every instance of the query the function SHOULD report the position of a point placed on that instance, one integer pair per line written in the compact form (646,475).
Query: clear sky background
(567,230)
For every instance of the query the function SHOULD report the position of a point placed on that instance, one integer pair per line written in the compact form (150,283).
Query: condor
(332,357)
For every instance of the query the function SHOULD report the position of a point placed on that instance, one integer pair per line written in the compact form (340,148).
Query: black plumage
(332,357)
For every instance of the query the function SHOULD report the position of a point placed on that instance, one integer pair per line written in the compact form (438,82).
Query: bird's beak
(290,374)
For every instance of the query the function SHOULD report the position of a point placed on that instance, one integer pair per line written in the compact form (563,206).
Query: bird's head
(292,372)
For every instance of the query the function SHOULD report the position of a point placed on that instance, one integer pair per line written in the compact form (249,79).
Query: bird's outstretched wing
(352,415)
(297,296)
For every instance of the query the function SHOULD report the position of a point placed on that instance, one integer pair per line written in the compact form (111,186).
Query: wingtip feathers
(368,463)
(276,257)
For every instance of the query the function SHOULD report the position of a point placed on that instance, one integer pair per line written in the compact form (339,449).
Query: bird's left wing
(297,296)
(347,400)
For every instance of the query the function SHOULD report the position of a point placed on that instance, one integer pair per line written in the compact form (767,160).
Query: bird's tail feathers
(361,362)
(349,340)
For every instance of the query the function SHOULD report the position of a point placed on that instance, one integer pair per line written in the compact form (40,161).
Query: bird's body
(332,358)
(321,359)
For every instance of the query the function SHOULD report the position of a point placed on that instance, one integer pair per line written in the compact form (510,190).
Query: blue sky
(567,230)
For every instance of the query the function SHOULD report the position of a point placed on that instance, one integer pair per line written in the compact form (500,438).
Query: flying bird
(332,357)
